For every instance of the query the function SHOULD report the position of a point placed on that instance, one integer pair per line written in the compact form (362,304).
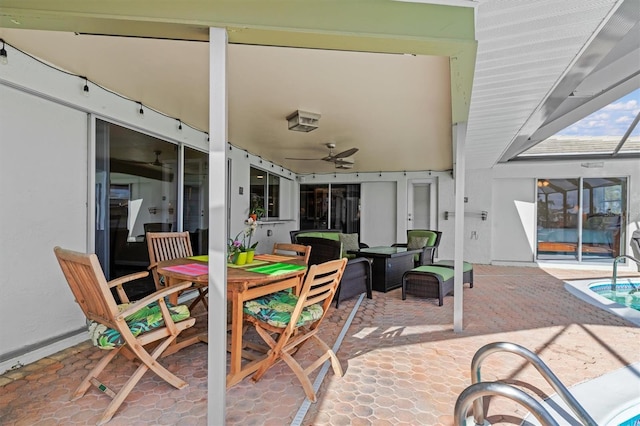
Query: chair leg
(272,355)
(335,362)
(93,374)
(148,363)
(301,375)
(202,293)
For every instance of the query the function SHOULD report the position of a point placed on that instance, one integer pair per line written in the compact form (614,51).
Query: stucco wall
(43,182)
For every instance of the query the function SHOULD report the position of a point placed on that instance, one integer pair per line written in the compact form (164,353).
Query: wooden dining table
(243,283)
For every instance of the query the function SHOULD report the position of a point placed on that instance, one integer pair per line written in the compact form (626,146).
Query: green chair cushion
(466,266)
(444,273)
(146,319)
(349,242)
(417,242)
(275,309)
(335,236)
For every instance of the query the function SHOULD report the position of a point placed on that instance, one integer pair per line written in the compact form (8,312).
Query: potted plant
(256,211)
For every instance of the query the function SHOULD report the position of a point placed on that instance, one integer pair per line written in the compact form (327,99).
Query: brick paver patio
(403,363)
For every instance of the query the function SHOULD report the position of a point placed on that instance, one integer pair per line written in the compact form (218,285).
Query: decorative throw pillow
(417,242)
(349,242)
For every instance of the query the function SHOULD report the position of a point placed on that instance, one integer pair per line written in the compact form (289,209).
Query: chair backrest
(432,239)
(322,249)
(88,285)
(319,287)
(299,251)
(166,246)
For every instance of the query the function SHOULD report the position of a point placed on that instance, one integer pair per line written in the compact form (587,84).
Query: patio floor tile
(403,363)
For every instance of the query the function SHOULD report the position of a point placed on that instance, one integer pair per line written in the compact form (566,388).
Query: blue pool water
(626,293)
(635,421)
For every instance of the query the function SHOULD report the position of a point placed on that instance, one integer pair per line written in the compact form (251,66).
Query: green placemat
(203,258)
(254,263)
(277,269)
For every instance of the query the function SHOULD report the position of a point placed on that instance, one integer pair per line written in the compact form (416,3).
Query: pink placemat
(193,269)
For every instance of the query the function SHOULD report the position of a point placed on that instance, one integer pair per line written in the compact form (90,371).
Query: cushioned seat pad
(466,266)
(444,273)
(146,319)
(275,309)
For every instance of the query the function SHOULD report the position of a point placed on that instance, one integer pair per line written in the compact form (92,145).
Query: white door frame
(433,199)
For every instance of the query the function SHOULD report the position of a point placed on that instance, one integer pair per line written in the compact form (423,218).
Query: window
(265,194)
(589,226)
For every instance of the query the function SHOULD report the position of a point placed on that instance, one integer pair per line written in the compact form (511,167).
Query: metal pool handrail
(552,379)
(476,391)
(615,268)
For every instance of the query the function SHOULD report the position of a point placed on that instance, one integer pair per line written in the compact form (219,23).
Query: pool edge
(580,289)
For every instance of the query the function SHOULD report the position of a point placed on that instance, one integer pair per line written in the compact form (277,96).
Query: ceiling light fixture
(302,121)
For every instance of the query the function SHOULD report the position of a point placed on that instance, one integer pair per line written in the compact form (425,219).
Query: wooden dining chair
(167,246)
(298,251)
(296,319)
(125,329)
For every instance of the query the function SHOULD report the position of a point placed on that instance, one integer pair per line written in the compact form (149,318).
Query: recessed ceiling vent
(302,121)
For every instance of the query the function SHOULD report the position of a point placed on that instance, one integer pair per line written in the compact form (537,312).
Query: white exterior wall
(47,198)
(520,180)
(380,201)
(43,185)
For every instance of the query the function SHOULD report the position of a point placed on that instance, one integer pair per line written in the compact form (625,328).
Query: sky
(612,120)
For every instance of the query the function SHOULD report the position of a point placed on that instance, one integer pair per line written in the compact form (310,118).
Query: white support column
(459,137)
(217,362)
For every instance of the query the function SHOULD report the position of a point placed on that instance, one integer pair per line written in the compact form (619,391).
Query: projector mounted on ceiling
(302,121)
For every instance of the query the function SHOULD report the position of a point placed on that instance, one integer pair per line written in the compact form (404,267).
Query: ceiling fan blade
(347,153)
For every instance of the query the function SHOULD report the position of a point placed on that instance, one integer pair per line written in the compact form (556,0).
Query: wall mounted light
(4,60)
(85,88)
(302,121)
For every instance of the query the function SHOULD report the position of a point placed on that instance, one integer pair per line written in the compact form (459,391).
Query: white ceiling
(532,55)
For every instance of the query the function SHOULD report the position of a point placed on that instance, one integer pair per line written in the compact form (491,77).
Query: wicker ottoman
(428,281)
(467,269)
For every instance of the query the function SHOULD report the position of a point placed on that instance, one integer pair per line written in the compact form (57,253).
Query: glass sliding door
(330,206)
(196,199)
(558,208)
(136,192)
(580,219)
(345,208)
(603,213)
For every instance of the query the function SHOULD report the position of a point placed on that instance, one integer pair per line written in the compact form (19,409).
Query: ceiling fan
(340,159)
(156,162)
